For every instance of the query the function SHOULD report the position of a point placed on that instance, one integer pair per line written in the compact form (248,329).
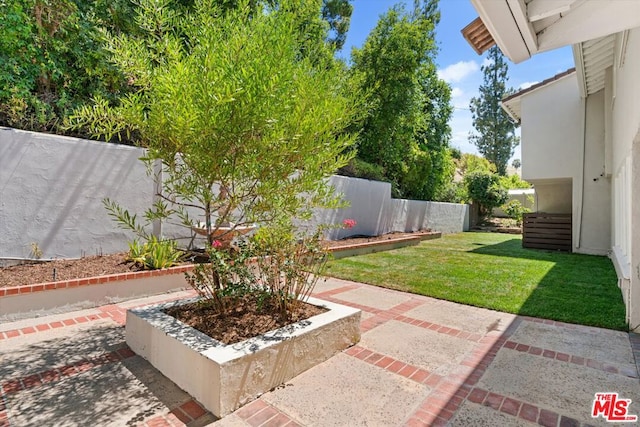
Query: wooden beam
(498,19)
(540,9)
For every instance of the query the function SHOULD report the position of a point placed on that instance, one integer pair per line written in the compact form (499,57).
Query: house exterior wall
(595,222)
(563,155)
(551,131)
(554,196)
(624,87)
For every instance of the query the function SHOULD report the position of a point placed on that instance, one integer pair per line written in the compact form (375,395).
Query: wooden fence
(547,231)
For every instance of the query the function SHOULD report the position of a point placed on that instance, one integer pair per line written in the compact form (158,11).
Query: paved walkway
(421,361)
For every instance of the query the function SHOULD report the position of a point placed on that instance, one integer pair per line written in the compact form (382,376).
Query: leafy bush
(453,192)
(515,210)
(485,190)
(225,278)
(357,168)
(248,114)
(513,182)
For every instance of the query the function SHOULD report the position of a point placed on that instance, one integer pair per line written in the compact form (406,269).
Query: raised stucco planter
(224,377)
(91,291)
(381,245)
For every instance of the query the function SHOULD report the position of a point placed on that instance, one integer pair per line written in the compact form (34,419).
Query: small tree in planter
(247,125)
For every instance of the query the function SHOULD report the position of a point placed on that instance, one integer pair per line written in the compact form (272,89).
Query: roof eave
(510,35)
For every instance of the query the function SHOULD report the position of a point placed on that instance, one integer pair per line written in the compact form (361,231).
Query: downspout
(580,214)
(578,59)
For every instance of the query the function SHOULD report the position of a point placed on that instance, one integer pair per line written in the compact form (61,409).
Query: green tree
(337,13)
(405,130)
(53,56)
(52,59)
(471,163)
(484,189)
(245,127)
(496,137)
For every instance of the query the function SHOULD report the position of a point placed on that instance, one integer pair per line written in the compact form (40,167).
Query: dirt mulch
(50,271)
(366,239)
(91,266)
(244,321)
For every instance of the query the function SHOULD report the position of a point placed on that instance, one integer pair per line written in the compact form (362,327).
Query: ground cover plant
(493,271)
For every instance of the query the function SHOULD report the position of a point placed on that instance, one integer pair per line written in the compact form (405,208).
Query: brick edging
(88,281)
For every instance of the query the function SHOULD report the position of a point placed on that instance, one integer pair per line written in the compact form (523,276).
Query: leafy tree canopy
(245,127)
(405,130)
(53,56)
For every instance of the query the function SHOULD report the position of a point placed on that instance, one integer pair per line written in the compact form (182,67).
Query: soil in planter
(91,266)
(351,240)
(65,269)
(246,320)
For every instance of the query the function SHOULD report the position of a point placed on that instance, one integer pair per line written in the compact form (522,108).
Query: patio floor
(421,361)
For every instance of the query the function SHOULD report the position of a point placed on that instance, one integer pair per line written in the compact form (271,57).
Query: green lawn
(494,271)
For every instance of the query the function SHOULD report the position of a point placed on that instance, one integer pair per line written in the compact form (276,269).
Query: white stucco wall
(51,191)
(551,131)
(554,196)
(563,155)
(625,136)
(595,232)
(52,187)
(376,212)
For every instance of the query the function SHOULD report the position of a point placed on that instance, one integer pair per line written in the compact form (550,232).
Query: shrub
(248,118)
(485,190)
(515,211)
(357,168)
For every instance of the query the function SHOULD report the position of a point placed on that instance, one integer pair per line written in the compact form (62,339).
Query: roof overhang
(522,28)
(592,58)
(511,104)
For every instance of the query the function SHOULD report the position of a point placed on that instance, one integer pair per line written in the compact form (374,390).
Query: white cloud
(459,71)
(456,92)
(486,62)
(526,85)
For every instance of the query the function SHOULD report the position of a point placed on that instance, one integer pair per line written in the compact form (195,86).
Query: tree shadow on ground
(105,391)
(576,286)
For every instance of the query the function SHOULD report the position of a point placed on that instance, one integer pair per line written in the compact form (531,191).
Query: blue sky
(458,64)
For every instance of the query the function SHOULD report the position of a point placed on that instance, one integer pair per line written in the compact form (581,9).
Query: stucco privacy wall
(376,212)
(52,187)
(51,191)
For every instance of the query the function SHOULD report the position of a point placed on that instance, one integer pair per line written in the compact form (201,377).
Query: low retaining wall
(93,291)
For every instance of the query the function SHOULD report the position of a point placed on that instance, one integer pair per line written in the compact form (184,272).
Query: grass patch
(494,271)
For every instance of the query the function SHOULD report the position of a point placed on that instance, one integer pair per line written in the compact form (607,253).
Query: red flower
(349,223)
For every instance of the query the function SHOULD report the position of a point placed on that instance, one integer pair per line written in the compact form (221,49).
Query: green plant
(515,211)
(513,182)
(225,278)
(36,252)
(155,253)
(288,266)
(485,190)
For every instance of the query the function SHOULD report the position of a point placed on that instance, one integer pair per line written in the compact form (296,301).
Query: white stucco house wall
(580,129)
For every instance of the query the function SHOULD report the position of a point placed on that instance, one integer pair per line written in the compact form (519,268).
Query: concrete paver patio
(421,361)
